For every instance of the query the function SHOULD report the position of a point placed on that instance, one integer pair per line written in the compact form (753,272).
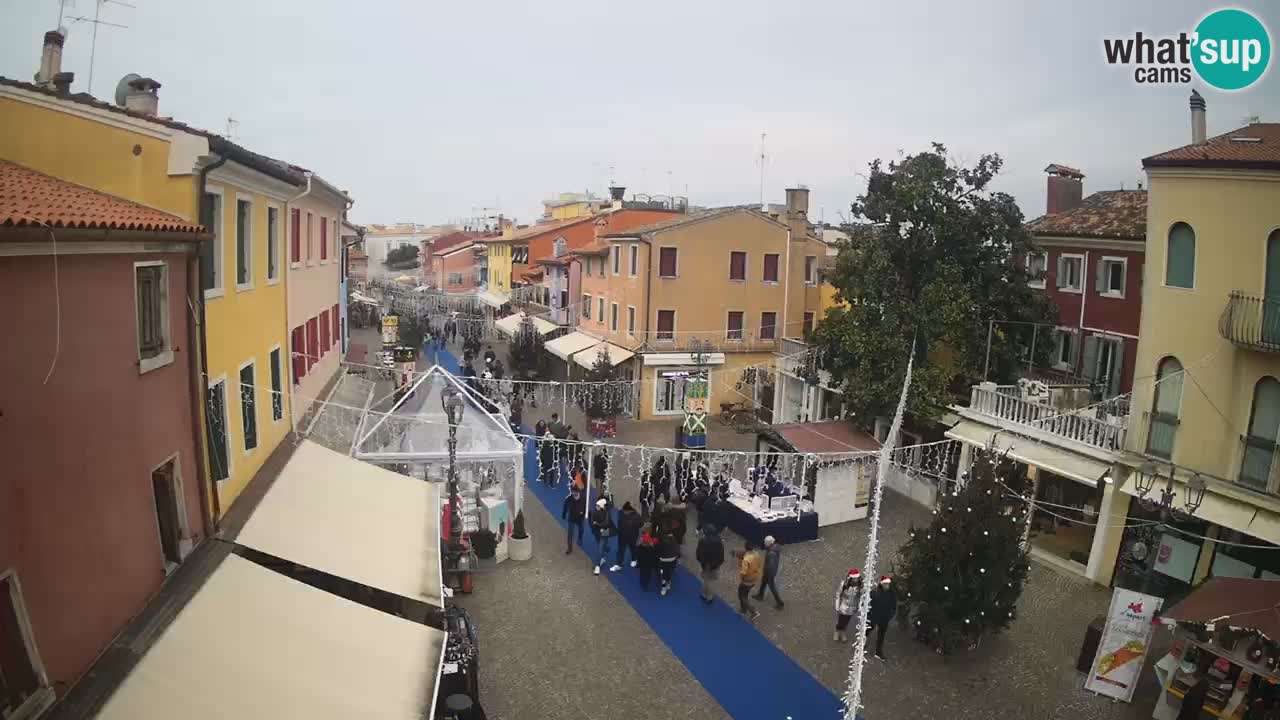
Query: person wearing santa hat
(847,594)
(884,605)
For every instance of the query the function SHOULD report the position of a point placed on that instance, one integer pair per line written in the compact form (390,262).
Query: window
(631,320)
(1037,264)
(277,391)
(810,270)
(273,244)
(295,236)
(216,425)
(1070,273)
(455,278)
(671,390)
(21,674)
(633,259)
(333,238)
(770,268)
(298,352)
(1180,265)
(168,505)
(244,244)
(807,326)
(313,343)
(211,251)
(324,238)
(151,285)
(600,310)
(248,407)
(768,325)
(667,262)
(586,267)
(324,332)
(1164,411)
(1103,358)
(586,307)
(309,240)
(564,299)
(1064,351)
(737,265)
(334,338)
(1111,276)
(617,259)
(735,325)
(666,324)
(1264,428)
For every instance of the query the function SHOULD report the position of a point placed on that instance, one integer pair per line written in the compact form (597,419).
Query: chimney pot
(1199,130)
(1065,189)
(62,82)
(50,58)
(616,193)
(798,211)
(142,96)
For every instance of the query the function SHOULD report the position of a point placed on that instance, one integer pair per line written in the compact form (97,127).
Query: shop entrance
(1065,518)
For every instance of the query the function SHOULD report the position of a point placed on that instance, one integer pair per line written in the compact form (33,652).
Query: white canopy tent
(353,520)
(566,345)
(492,299)
(253,643)
(587,358)
(510,324)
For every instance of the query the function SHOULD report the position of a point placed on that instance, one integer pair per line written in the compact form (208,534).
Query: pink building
(456,268)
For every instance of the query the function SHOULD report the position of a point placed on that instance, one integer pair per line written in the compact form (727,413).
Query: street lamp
(1145,478)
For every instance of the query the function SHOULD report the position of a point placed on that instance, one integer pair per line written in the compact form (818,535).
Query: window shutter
(1089,369)
(295,236)
(1117,368)
(324,237)
(1102,282)
(1062,272)
(337,336)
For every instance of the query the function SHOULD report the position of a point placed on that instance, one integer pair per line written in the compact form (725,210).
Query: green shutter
(1180,265)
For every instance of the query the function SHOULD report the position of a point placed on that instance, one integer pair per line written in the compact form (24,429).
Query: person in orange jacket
(750,570)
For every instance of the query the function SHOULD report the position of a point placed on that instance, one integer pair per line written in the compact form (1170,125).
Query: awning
(652,359)
(253,643)
(491,299)
(1078,467)
(352,519)
(566,345)
(511,323)
(1234,602)
(587,358)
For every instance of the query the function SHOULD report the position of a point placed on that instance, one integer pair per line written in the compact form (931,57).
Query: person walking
(547,459)
(668,556)
(750,568)
(847,595)
(884,605)
(629,524)
(772,563)
(647,554)
(600,471)
(710,556)
(603,529)
(575,511)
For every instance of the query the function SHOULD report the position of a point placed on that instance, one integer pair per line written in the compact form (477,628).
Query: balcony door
(1271,301)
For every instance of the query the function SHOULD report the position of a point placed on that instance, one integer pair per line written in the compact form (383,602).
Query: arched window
(1264,426)
(1164,408)
(1180,265)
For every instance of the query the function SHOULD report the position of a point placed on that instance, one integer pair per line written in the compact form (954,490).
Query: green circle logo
(1232,49)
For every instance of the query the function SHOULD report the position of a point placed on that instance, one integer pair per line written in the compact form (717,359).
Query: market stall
(786,518)
(1225,634)
(840,485)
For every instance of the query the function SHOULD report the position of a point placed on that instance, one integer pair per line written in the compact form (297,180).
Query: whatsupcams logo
(1229,49)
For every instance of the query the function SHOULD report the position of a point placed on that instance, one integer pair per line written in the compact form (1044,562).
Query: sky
(435,112)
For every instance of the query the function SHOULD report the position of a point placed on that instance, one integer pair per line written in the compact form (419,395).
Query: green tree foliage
(600,402)
(935,255)
(528,360)
(413,331)
(960,578)
(402,258)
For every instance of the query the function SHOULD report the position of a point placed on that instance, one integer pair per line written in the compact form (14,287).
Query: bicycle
(740,416)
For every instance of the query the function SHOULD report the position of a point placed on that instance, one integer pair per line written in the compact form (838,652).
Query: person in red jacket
(646,554)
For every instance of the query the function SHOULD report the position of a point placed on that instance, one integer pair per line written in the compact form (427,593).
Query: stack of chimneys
(1199,132)
(50,74)
(1066,189)
(798,212)
(142,96)
(615,193)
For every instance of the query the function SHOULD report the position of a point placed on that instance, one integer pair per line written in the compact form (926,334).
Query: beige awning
(1068,464)
(253,643)
(566,345)
(587,358)
(354,520)
(492,299)
(511,323)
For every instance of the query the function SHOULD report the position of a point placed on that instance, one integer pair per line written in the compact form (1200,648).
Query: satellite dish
(122,87)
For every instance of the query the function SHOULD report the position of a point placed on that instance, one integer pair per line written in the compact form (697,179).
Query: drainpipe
(786,284)
(208,494)
(288,297)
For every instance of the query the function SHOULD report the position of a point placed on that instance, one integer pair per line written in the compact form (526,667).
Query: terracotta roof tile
(1255,146)
(33,199)
(446,242)
(693,217)
(1119,214)
(599,247)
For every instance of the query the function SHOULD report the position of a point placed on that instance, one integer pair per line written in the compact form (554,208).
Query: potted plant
(521,543)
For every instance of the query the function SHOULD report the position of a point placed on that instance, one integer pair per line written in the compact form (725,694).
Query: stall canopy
(1233,602)
(511,323)
(1033,452)
(253,643)
(354,520)
(563,347)
(830,436)
(587,358)
(493,300)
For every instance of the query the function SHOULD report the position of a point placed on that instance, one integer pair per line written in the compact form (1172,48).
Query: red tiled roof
(1119,214)
(33,199)
(445,242)
(599,247)
(1252,147)
(562,260)
(830,436)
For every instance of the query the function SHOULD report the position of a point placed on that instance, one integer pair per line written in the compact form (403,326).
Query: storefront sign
(1123,648)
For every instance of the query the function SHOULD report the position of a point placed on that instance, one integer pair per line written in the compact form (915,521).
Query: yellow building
(1206,399)
(499,252)
(567,206)
(242,198)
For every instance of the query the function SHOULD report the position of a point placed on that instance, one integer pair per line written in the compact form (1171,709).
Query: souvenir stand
(413,440)
(1224,631)
(840,485)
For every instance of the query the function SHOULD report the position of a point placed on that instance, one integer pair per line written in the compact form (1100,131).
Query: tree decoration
(601,402)
(527,357)
(984,562)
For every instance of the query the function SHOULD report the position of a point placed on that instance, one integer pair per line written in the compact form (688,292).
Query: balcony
(1098,426)
(1251,321)
(722,342)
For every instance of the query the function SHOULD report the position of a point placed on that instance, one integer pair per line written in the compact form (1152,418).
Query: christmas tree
(602,401)
(961,577)
(527,358)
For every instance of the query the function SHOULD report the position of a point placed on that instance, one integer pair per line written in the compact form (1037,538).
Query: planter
(602,427)
(521,548)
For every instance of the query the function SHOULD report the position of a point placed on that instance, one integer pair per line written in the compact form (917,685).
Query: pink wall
(462,261)
(77,515)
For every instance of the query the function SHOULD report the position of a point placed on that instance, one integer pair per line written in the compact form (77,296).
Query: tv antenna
(232,124)
(763,158)
(97,22)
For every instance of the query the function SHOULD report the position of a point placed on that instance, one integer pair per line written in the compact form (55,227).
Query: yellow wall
(572,210)
(500,266)
(1232,214)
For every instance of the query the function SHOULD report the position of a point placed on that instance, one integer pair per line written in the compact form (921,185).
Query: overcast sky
(429,111)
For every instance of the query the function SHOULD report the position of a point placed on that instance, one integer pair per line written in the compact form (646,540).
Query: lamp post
(453,405)
(1145,480)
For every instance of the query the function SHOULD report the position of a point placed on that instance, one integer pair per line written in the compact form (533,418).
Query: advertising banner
(1123,648)
(390,329)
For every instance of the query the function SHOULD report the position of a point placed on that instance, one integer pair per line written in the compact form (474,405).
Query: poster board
(390,329)
(1126,638)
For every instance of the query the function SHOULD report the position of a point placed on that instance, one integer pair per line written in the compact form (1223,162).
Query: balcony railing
(1252,321)
(735,341)
(1094,426)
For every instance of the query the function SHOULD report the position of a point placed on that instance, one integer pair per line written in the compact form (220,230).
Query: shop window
(1164,421)
(1260,444)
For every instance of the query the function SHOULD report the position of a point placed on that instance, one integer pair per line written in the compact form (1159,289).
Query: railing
(721,342)
(1084,426)
(1251,321)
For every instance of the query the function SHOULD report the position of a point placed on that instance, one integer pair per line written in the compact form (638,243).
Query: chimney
(798,212)
(1199,133)
(50,58)
(62,82)
(1066,189)
(615,193)
(142,97)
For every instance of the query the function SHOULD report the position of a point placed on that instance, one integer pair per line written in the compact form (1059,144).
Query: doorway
(21,676)
(164,487)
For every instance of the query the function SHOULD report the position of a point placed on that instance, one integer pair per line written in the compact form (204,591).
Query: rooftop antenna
(1252,119)
(232,124)
(97,22)
(671,189)
(762,161)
